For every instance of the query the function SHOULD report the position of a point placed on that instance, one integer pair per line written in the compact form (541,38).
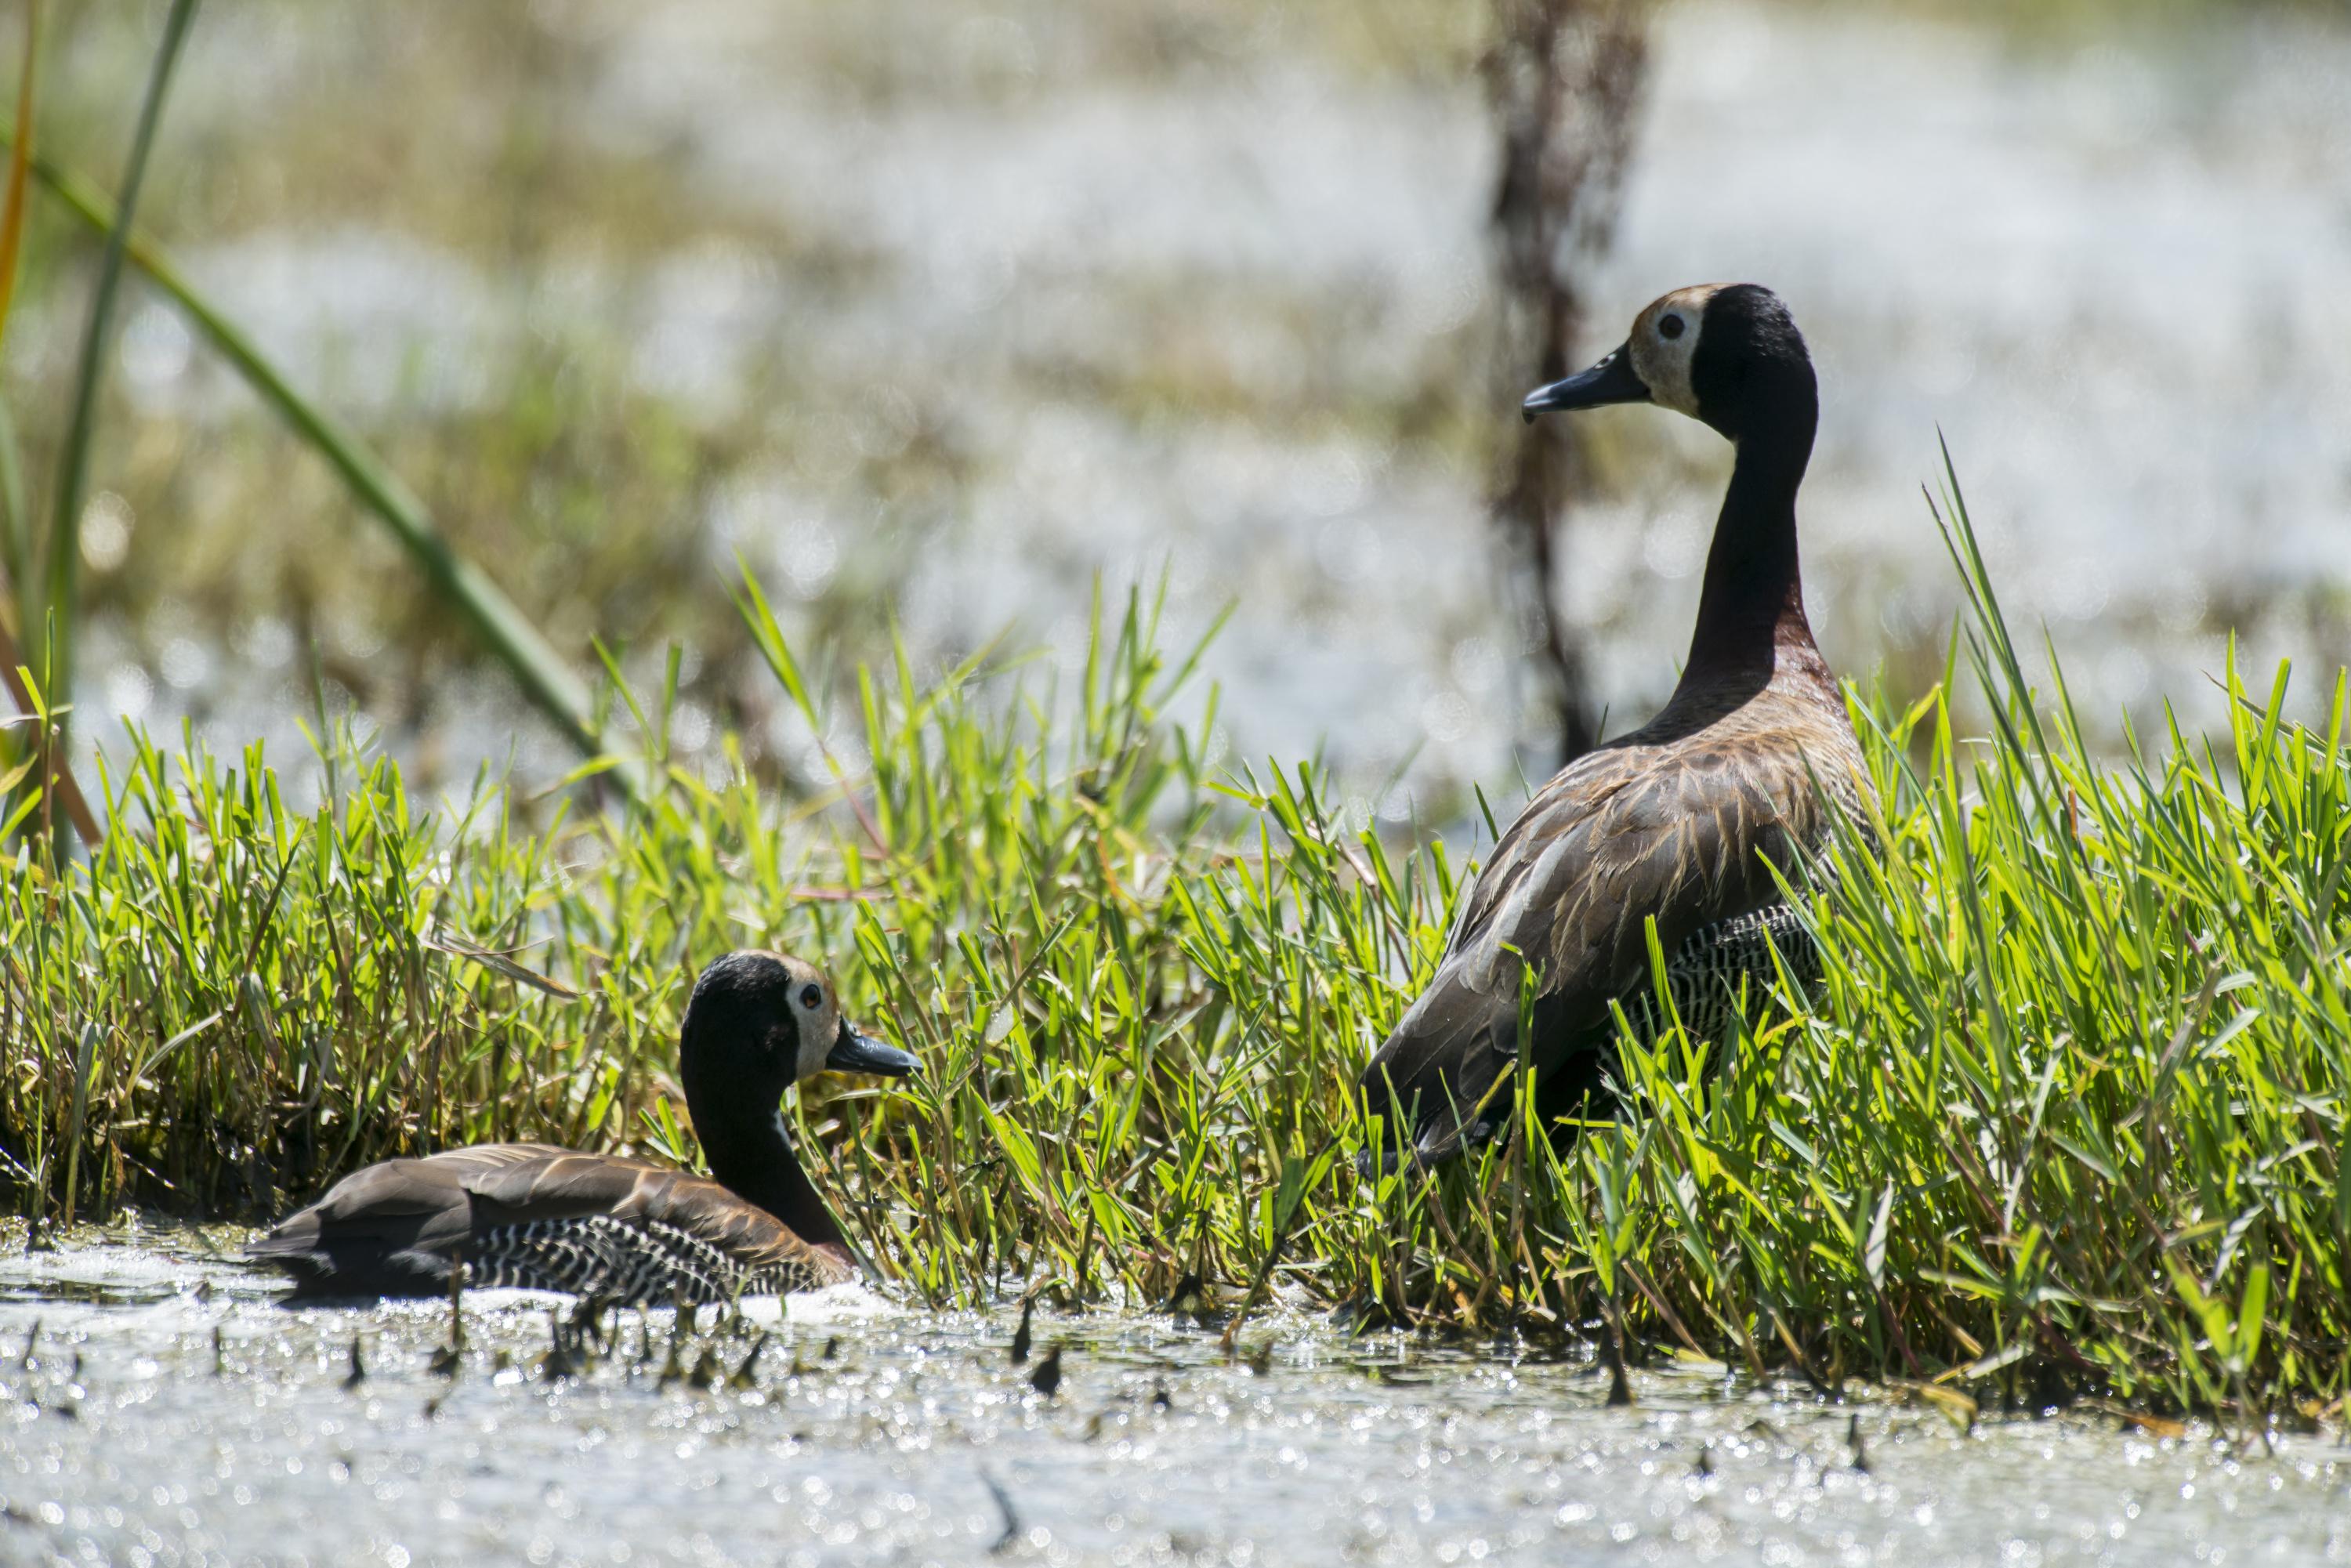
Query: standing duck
(600,1224)
(1684,820)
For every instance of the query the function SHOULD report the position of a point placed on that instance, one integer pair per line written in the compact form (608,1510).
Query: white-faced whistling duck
(599,1224)
(1684,819)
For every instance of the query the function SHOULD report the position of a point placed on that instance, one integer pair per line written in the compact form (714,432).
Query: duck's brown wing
(1683,833)
(394,1229)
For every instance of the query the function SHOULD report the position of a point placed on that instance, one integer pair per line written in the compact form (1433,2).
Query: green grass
(2068,1121)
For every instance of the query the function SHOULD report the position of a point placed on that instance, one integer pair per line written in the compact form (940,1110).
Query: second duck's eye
(1669,327)
(810,997)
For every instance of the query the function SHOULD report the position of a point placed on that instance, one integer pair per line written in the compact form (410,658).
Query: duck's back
(1684,822)
(530,1216)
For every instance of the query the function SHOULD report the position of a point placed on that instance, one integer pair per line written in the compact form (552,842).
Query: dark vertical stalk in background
(1564,78)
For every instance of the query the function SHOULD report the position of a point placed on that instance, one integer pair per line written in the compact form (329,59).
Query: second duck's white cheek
(816,1040)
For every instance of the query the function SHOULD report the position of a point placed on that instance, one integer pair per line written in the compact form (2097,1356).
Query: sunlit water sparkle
(1379,1448)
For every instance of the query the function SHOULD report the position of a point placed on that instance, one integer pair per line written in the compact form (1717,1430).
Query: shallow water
(876,1435)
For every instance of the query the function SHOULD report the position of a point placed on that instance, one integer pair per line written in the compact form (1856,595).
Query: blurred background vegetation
(932,312)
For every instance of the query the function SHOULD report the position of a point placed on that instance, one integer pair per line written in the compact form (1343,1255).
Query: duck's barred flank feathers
(1718,971)
(547,1218)
(1718,965)
(636,1262)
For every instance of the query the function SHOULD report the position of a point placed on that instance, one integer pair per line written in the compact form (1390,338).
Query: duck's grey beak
(856,1052)
(1610,380)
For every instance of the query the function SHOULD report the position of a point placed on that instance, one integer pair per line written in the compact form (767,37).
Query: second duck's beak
(855,1052)
(1610,380)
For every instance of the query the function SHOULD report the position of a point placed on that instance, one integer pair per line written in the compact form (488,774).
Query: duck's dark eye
(810,997)
(1669,327)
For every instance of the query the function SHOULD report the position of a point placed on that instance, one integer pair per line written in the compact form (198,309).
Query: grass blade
(64,561)
(507,633)
(12,208)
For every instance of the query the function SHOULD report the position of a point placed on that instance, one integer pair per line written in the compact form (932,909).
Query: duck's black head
(760,1022)
(1727,353)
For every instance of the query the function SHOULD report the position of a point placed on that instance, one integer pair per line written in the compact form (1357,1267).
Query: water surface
(171,1413)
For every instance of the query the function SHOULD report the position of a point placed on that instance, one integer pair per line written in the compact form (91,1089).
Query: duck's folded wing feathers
(400,1224)
(1680,835)
(390,1228)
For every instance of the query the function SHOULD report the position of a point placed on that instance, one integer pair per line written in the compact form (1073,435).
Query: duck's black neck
(742,1138)
(1751,608)
(758,1161)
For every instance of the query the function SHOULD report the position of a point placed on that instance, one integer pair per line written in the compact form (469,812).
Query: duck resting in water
(532,1216)
(1683,821)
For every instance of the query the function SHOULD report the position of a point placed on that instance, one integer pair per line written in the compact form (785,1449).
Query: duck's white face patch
(817,1013)
(1663,340)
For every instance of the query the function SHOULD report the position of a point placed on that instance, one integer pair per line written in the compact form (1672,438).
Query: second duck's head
(760,1022)
(1728,354)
